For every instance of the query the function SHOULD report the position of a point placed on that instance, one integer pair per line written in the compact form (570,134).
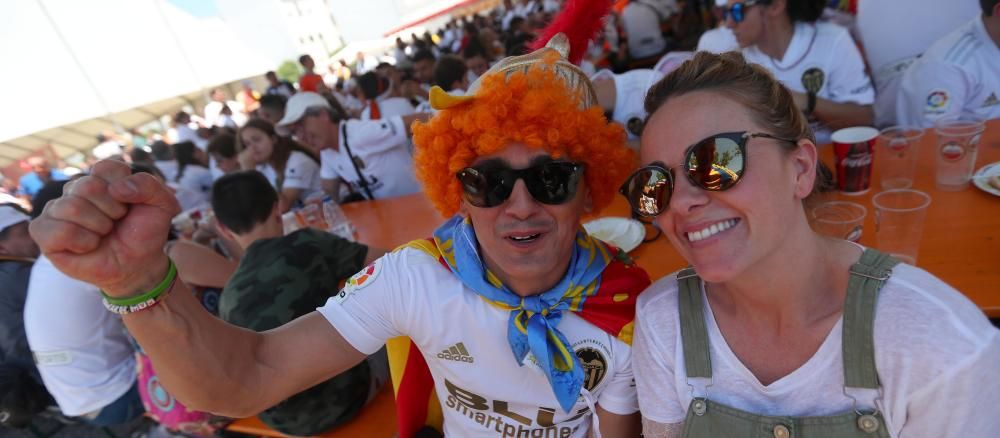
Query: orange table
(960,242)
(376,420)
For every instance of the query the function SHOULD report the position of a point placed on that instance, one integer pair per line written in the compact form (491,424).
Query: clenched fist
(108,229)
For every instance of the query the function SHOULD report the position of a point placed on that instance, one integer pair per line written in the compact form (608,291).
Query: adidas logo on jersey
(992,100)
(456,353)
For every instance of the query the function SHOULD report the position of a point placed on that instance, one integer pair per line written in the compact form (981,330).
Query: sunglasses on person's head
(738,10)
(716,164)
(491,183)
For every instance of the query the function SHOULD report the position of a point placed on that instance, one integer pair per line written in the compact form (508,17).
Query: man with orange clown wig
(520,322)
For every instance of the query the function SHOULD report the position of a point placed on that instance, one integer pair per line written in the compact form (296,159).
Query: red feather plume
(580,20)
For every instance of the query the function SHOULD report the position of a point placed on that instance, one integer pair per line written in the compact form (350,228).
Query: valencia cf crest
(813,80)
(595,366)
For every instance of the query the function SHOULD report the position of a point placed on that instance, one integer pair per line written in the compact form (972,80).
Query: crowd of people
(514,141)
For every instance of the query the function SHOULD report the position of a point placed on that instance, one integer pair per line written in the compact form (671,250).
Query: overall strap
(694,333)
(867,277)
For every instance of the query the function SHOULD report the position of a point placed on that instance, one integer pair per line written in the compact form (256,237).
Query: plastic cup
(897,156)
(899,222)
(839,219)
(958,141)
(853,152)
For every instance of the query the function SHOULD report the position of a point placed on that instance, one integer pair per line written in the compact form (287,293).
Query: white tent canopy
(74,69)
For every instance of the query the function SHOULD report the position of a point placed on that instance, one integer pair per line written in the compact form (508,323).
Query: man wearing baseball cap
(370,155)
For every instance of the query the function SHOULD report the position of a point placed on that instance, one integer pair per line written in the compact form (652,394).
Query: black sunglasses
(738,10)
(716,163)
(552,182)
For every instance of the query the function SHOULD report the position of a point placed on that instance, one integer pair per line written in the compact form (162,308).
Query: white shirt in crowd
(301,172)
(482,389)
(642,28)
(630,94)
(958,74)
(936,355)
(82,351)
(390,107)
(824,54)
(891,45)
(184,132)
(380,151)
(718,40)
(168,168)
(194,188)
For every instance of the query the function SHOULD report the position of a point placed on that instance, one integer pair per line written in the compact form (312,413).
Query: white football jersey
(821,57)
(960,73)
(482,389)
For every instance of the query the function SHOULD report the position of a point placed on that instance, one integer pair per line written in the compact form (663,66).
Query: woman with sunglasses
(817,61)
(775,328)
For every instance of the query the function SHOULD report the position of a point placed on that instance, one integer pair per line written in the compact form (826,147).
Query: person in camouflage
(281,278)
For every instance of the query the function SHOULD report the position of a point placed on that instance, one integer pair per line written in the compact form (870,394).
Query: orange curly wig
(534,108)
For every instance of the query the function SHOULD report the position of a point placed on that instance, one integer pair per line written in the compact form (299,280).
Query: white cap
(11,216)
(721,3)
(298,104)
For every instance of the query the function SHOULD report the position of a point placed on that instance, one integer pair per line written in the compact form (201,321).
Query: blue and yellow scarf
(533,320)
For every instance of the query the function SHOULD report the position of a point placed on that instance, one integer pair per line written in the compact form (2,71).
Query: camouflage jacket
(281,279)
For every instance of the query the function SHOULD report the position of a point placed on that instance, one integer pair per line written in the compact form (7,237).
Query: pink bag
(166,410)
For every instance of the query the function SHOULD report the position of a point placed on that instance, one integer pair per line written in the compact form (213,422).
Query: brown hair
(283,146)
(769,103)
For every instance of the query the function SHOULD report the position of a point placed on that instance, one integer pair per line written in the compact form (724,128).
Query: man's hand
(108,229)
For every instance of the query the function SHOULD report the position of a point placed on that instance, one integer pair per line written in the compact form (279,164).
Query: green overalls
(707,419)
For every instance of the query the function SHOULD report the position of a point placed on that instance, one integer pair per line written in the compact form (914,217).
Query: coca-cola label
(854,166)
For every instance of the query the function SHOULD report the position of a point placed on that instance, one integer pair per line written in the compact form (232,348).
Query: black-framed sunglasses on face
(738,10)
(552,182)
(715,163)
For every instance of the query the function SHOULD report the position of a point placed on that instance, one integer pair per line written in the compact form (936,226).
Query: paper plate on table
(982,181)
(624,233)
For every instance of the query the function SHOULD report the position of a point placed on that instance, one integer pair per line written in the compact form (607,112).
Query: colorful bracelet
(124,306)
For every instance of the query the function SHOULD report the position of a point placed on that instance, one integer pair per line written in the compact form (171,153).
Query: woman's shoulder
(831,35)
(921,318)
(659,296)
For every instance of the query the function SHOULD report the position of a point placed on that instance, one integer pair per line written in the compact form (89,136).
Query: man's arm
(618,426)
(331,187)
(231,371)
(199,265)
(108,229)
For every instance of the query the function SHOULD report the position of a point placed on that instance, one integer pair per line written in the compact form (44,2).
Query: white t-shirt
(718,40)
(186,133)
(630,94)
(482,389)
(168,168)
(642,28)
(196,184)
(891,44)
(826,54)
(389,107)
(382,156)
(82,351)
(959,73)
(937,358)
(301,172)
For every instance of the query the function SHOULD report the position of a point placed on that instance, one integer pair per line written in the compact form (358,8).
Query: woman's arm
(199,265)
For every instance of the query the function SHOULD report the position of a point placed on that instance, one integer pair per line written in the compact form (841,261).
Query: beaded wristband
(147,300)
